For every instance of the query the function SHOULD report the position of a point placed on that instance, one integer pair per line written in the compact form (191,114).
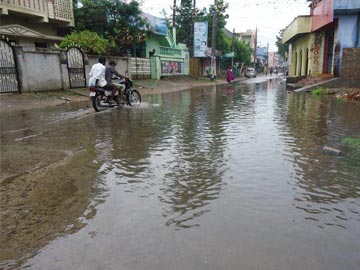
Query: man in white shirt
(97,73)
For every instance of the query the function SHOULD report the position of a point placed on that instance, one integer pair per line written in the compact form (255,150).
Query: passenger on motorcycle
(110,71)
(97,73)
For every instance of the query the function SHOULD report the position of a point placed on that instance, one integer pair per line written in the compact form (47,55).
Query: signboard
(317,53)
(200,38)
(171,67)
(229,55)
(156,25)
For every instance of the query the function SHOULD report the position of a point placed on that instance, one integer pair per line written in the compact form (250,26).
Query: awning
(229,55)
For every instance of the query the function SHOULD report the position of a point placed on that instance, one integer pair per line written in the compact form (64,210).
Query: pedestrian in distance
(271,71)
(229,75)
(265,70)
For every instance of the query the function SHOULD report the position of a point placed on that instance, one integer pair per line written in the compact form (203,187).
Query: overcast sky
(269,16)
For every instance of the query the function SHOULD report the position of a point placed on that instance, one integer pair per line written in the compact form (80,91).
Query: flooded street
(211,178)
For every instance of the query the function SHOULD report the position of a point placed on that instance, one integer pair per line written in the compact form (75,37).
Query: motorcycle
(101,98)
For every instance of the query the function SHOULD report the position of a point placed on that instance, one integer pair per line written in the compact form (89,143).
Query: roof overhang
(16,30)
(299,26)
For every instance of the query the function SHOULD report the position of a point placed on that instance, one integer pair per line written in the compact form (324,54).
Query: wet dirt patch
(34,100)
(39,206)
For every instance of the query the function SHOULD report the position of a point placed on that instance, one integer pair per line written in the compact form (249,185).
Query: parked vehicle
(100,98)
(250,73)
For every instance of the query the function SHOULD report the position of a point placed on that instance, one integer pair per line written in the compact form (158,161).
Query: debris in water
(332,150)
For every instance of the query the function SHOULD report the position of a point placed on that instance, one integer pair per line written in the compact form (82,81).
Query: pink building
(274,59)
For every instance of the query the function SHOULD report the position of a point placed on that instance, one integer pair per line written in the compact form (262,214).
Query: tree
(91,16)
(187,14)
(242,52)
(116,20)
(283,48)
(221,16)
(89,41)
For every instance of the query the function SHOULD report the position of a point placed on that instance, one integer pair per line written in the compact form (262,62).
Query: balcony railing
(166,51)
(55,9)
(36,7)
(63,9)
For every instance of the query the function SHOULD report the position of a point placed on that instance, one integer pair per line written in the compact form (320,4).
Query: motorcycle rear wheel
(96,102)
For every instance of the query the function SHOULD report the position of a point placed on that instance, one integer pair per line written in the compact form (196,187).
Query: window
(40,46)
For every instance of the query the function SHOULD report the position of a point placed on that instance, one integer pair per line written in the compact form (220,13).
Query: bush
(88,41)
(317,91)
(353,142)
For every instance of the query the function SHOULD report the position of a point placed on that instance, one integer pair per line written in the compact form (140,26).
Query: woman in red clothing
(229,75)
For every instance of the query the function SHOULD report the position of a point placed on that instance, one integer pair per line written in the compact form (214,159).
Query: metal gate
(140,68)
(9,80)
(194,67)
(76,67)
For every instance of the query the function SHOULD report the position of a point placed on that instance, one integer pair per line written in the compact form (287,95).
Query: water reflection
(327,186)
(174,151)
(194,170)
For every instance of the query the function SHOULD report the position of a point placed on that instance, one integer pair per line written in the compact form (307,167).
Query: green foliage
(283,48)
(317,91)
(88,41)
(92,16)
(340,99)
(221,17)
(353,142)
(187,14)
(242,51)
(185,17)
(117,21)
(120,24)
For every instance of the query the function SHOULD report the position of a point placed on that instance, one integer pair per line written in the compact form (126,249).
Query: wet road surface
(223,177)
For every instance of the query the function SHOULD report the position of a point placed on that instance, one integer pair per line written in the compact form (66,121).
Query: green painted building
(167,58)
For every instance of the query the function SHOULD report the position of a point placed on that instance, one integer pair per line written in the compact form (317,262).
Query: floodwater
(211,178)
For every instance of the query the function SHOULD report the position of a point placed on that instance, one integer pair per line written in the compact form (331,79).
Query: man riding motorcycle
(102,76)
(110,71)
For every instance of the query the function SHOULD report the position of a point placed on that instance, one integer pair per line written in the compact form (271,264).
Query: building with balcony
(298,35)
(316,41)
(35,24)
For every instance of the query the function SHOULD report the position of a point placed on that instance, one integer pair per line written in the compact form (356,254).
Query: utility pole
(255,48)
(213,42)
(173,26)
(213,36)
(174,7)
(191,39)
(233,46)
(267,54)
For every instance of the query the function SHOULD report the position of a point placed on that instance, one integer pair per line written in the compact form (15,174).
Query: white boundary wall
(41,71)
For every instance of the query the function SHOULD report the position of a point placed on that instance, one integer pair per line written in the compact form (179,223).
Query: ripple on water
(215,163)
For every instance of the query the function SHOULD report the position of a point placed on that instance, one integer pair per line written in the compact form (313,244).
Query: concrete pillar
(19,54)
(64,70)
(155,66)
